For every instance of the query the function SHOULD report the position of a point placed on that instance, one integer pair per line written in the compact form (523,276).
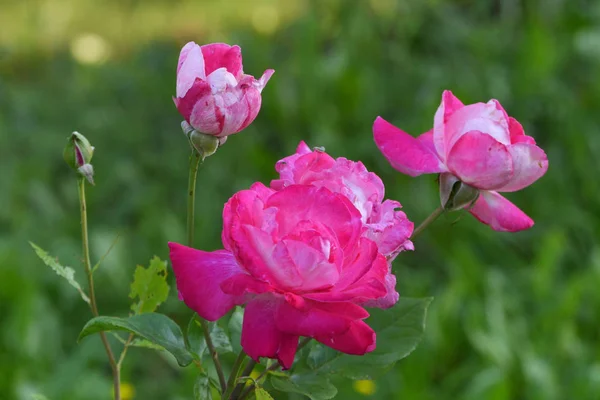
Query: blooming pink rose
(298,259)
(481,146)
(383,222)
(213,93)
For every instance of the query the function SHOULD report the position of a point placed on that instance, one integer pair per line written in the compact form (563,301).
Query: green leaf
(399,330)
(38,396)
(262,394)
(316,387)
(137,342)
(67,273)
(195,336)
(202,388)
(235,329)
(156,328)
(149,286)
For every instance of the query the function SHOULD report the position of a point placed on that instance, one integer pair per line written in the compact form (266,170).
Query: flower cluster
(309,252)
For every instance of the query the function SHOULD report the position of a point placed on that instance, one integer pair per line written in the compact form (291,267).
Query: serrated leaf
(316,387)
(262,394)
(235,329)
(156,328)
(149,286)
(399,330)
(197,344)
(65,272)
(202,388)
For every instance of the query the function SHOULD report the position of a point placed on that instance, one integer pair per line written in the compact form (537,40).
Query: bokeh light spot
(265,19)
(365,387)
(90,48)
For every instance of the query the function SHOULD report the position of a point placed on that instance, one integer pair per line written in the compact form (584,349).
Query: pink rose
(383,222)
(213,94)
(478,144)
(298,259)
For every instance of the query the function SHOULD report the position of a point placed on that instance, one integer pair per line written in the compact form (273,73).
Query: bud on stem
(78,155)
(206,145)
(454,194)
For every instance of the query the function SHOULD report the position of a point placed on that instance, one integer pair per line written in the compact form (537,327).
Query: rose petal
(500,214)
(190,67)
(480,161)
(405,153)
(357,340)
(199,275)
(221,55)
(448,106)
(260,336)
(517,134)
(529,163)
(317,319)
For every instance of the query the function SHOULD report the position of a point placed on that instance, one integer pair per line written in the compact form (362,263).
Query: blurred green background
(515,316)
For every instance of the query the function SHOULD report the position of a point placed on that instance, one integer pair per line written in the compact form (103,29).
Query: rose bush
(213,94)
(479,145)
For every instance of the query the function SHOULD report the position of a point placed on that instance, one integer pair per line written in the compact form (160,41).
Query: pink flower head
(213,94)
(300,260)
(481,146)
(383,221)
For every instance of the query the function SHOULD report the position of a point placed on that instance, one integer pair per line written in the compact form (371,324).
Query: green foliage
(262,394)
(197,344)
(64,272)
(202,389)
(156,328)
(311,385)
(149,286)
(399,330)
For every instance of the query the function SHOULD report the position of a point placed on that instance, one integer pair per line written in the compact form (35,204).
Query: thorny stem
(271,367)
(195,159)
(432,217)
(88,270)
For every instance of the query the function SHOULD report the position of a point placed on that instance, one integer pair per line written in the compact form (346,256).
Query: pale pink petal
(448,106)
(190,67)
(357,340)
(262,81)
(220,80)
(316,319)
(221,55)
(390,229)
(499,213)
(406,154)
(529,163)
(310,263)
(517,134)
(199,275)
(260,336)
(485,118)
(480,161)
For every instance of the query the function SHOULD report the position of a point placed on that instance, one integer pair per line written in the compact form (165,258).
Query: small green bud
(78,155)
(456,195)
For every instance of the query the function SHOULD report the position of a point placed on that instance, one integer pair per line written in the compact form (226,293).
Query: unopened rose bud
(454,194)
(78,155)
